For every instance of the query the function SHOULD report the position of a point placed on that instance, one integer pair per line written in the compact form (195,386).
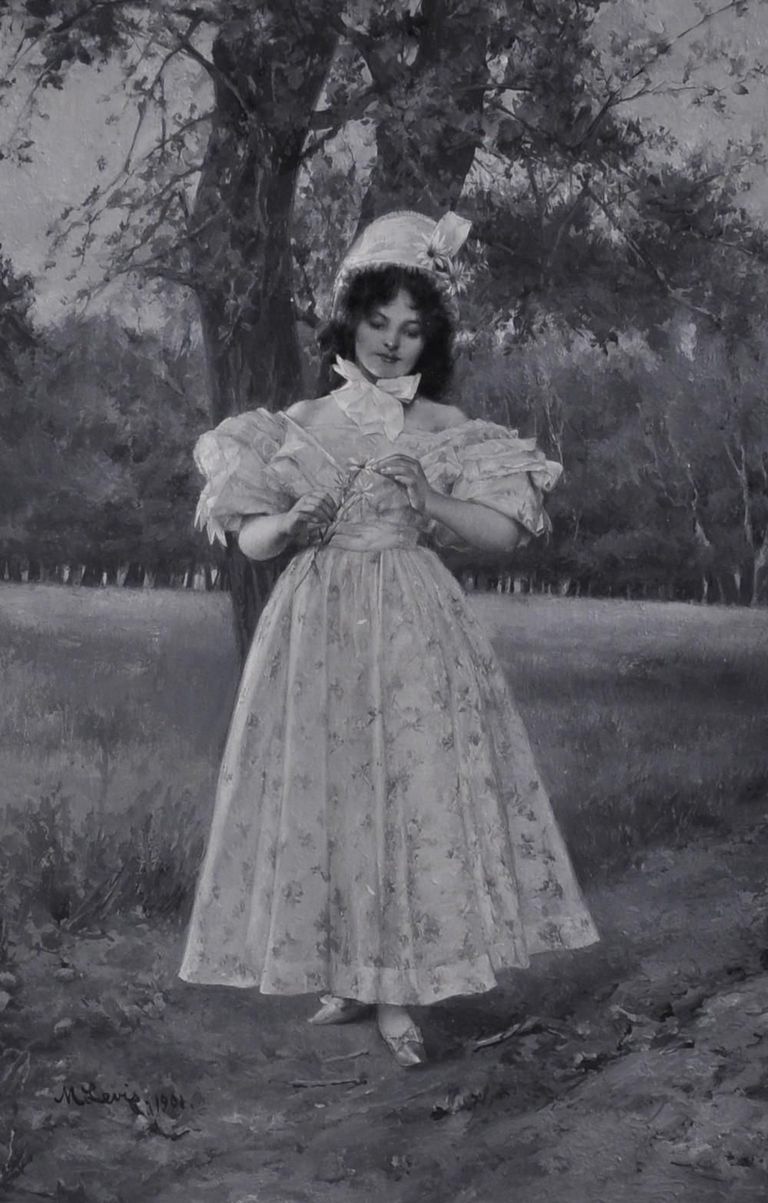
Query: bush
(76,876)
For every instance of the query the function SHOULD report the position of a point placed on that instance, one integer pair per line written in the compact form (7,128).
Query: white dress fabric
(380,830)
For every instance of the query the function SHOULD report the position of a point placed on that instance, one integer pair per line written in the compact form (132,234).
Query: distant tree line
(665,451)
(97,484)
(665,490)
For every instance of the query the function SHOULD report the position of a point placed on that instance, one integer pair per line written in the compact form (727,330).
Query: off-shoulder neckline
(405,432)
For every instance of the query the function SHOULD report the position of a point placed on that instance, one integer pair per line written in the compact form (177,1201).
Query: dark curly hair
(378,286)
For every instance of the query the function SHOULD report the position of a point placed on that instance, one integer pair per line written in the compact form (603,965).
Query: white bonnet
(411,240)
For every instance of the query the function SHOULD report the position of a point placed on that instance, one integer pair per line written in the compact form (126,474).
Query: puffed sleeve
(234,459)
(490,464)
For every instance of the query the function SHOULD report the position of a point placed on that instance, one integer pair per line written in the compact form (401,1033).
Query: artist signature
(87,1093)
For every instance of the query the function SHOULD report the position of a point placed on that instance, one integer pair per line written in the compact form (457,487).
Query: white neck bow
(375,406)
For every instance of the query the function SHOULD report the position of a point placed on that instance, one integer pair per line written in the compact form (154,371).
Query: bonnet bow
(412,241)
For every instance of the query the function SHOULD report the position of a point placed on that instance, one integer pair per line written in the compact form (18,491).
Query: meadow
(650,724)
(649,720)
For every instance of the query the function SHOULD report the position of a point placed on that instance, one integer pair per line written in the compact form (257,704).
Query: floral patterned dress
(380,830)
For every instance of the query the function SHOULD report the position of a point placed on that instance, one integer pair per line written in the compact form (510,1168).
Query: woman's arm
(479,525)
(266,535)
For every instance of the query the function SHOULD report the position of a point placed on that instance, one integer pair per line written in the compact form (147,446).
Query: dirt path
(642,1075)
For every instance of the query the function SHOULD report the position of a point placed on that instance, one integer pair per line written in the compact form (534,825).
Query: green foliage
(665,453)
(520,112)
(596,230)
(586,220)
(650,715)
(17,336)
(666,459)
(77,875)
(96,451)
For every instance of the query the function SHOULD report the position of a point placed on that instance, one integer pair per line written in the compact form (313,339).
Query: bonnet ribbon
(375,406)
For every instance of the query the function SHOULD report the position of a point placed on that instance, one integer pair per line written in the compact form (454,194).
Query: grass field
(639,1072)
(650,720)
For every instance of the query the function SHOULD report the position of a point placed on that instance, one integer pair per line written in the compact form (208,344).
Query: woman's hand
(409,473)
(267,535)
(310,513)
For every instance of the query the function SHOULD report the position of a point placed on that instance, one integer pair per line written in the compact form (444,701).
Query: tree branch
(215,73)
(615,97)
(655,270)
(70,22)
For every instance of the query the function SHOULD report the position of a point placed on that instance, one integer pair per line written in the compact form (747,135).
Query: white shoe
(401,1035)
(339,1010)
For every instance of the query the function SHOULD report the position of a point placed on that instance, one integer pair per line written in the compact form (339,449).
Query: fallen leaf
(699,1156)
(153,1007)
(594,1060)
(361,1052)
(690,1002)
(532,1024)
(333,1169)
(171,1129)
(469,1094)
(70,1194)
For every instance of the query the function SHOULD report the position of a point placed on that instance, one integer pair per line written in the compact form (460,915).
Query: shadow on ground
(634,1070)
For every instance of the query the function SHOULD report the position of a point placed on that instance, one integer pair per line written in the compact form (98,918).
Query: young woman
(380,831)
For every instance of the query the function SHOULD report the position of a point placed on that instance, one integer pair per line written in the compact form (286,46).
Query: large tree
(208,205)
(457,94)
(17,334)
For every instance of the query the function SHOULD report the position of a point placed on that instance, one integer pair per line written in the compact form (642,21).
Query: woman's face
(390,338)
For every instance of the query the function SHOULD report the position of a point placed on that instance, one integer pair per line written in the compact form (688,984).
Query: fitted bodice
(373,511)
(262,463)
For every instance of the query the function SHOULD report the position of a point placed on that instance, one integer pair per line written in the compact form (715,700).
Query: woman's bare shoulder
(304,413)
(454,416)
(437,416)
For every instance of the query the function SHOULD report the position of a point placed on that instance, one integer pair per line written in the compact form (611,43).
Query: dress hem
(368,984)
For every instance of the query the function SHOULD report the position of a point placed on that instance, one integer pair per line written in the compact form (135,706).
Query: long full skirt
(380,829)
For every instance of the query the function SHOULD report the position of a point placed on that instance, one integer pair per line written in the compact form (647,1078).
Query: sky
(92,121)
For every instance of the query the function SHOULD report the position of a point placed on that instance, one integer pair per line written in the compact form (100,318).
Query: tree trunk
(265,94)
(91,575)
(250,581)
(134,577)
(758,570)
(440,89)
(162,576)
